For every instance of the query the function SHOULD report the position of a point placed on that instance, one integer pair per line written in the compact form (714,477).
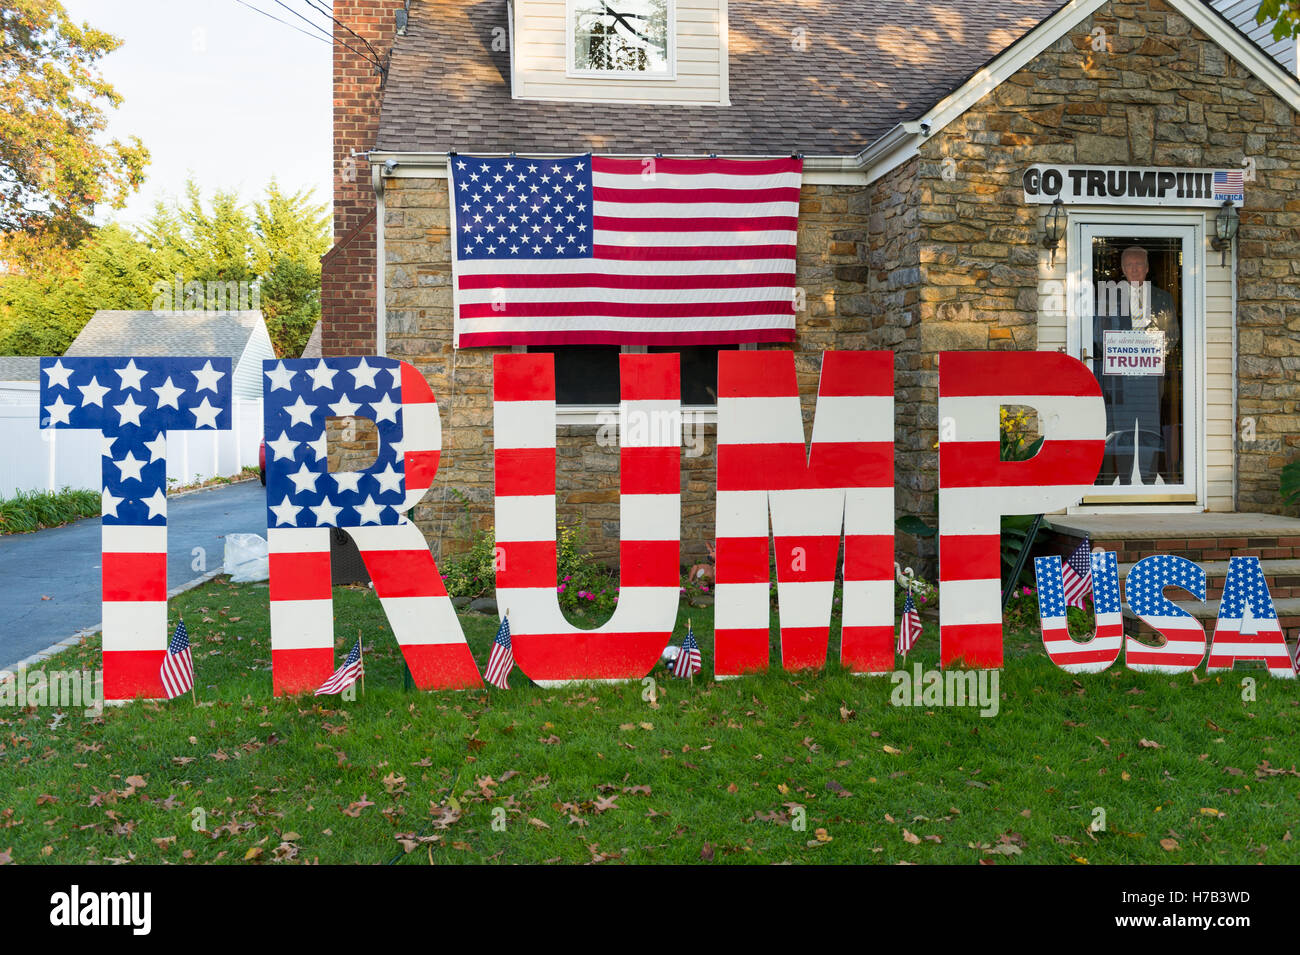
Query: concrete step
(1288,610)
(1283,576)
(1178,526)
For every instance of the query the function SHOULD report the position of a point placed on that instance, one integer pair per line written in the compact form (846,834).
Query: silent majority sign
(771,487)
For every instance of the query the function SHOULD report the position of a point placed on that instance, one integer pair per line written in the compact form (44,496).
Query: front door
(1139,327)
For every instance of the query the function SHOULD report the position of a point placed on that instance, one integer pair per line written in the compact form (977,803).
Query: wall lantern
(1054,226)
(1225,229)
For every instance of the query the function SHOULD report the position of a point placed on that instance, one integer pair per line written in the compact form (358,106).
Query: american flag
(177,671)
(1076,575)
(599,251)
(502,660)
(688,662)
(345,675)
(909,631)
(1229,184)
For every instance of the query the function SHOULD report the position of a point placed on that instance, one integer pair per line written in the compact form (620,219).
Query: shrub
(584,586)
(32,510)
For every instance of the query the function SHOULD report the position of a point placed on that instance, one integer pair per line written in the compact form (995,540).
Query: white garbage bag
(247,558)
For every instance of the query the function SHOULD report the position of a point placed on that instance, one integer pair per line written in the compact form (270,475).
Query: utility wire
(318,7)
(329,36)
(314,36)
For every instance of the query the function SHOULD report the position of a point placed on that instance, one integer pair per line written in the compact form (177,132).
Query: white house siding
(540,36)
(247,382)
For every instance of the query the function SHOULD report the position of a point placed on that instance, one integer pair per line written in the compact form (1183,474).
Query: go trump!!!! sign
(771,488)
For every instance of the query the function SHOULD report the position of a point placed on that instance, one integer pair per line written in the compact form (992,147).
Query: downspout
(377,174)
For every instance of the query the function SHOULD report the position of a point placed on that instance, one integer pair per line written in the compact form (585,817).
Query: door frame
(1191,495)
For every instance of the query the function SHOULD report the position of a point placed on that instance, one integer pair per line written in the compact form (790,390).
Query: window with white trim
(621,38)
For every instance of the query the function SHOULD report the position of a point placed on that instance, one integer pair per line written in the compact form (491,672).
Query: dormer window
(621,38)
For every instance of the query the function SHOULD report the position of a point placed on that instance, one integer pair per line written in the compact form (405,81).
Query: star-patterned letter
(133,402)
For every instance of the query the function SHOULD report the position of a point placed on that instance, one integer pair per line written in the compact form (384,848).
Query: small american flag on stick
(688,662)
(345,675)
(909,631)
(502,660)
(1076,574)
(177,670)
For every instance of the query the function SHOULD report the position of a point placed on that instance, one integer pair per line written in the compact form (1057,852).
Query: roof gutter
(399,164)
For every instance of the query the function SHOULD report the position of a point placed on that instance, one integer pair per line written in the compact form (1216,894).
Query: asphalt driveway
(62,563)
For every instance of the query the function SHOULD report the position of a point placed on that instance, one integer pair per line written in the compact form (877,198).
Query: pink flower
(560,589)
(591,596)
(1027,591)
(704,587)
(922,600)
(568,577)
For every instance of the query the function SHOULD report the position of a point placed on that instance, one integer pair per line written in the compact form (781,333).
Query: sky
(219,92)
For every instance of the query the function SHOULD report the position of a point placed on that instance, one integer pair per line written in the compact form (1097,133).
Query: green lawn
(1184,770)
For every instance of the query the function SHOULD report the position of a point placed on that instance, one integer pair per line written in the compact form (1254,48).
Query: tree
(42,312)
(1284,13)
(53,169)
(292,233)
(190,254)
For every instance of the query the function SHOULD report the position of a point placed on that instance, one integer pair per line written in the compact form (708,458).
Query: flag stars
(60,412)
(129,411)
(207,377)
(286,512)
(168,394)
(58,375)
(129,467)
(93,393)
(131,376)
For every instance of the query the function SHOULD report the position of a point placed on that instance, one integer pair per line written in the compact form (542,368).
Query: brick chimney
(348,269)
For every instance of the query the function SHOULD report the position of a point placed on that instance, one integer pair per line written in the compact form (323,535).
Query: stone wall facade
(832,269)
(941,253)
(1160,94)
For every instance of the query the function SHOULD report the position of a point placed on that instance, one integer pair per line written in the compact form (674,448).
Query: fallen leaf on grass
(354,809)
(1169,845)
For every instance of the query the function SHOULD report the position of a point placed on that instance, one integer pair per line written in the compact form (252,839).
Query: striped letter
(546,646)
(1247,628)
(976,487)
(844,487)
(305,501)
(1100,650)
(134,402)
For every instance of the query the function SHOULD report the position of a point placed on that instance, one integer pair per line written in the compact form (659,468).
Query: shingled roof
(205,334)
(868,66)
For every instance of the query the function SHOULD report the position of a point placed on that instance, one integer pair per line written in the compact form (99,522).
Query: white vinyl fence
(32,459)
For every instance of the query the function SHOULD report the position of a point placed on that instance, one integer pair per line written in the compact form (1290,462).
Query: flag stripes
(346,675)
(841,489)
(546,646)
(177,671)
(976,487)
